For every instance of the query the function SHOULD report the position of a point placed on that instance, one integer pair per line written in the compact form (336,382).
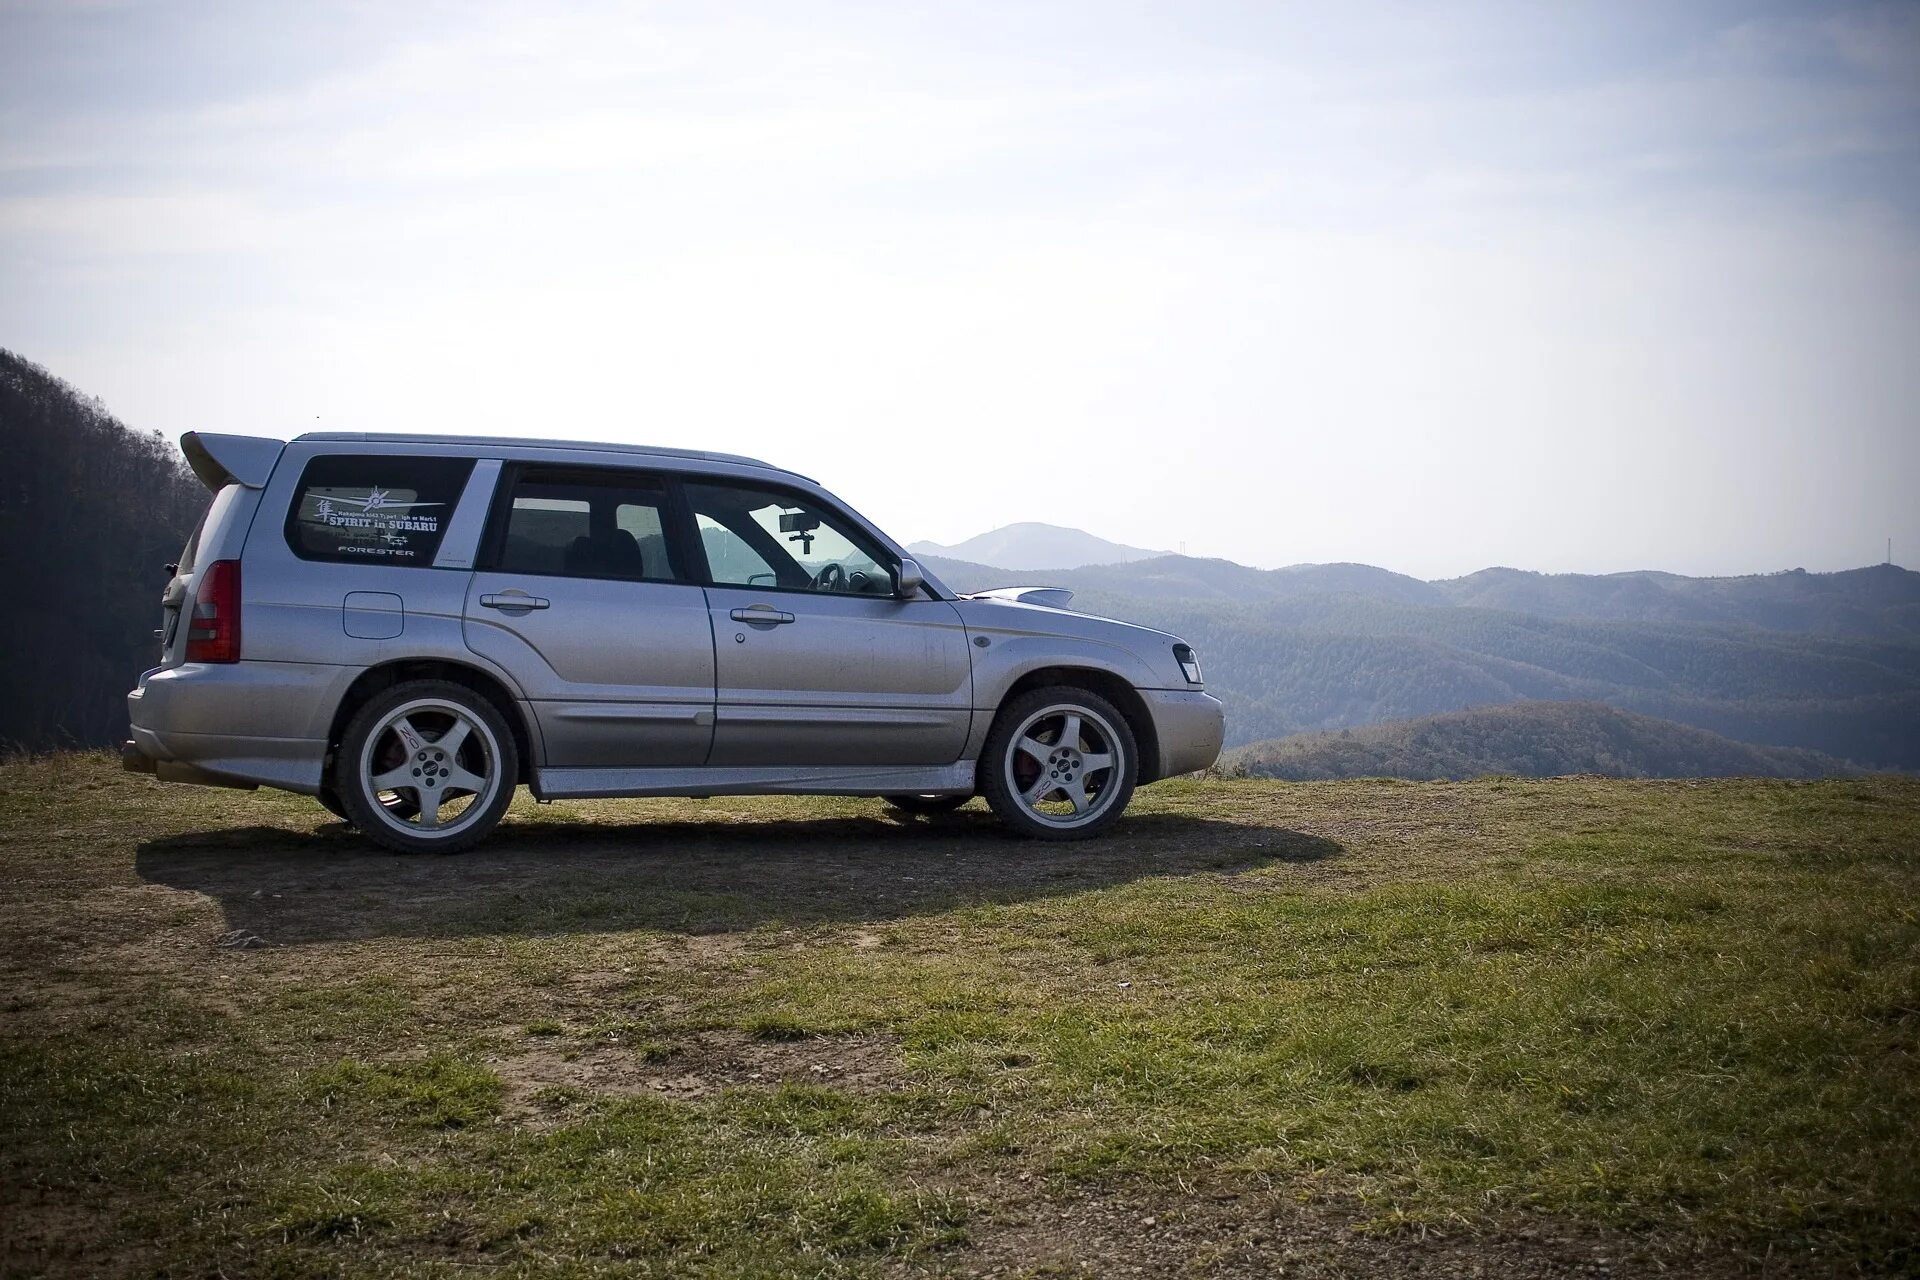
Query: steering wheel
(832,577)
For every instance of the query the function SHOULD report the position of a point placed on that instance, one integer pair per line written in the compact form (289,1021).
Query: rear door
(816,662)
(583,596)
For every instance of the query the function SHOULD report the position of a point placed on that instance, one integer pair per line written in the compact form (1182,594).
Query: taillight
(213,634)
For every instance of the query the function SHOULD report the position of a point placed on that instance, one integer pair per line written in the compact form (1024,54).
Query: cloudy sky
(1568,287)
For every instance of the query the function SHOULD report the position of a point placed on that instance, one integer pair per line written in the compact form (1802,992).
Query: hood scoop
(1051,597)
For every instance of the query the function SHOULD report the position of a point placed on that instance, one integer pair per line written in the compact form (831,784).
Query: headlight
(1189,664)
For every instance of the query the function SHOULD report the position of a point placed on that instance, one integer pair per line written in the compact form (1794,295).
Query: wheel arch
(1116,689)
(386,675)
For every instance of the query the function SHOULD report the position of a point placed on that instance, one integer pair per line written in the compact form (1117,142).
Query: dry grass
(1342,1027)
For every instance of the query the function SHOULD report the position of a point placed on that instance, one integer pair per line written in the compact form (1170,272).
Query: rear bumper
(1190,727)
(242,724)
(135,760)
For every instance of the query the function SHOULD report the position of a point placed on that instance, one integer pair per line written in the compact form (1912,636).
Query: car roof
(530,442)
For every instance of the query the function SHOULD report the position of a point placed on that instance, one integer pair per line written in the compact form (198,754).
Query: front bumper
(1191,727)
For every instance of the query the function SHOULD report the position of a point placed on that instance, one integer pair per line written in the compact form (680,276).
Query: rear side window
(387,509)
(587,524)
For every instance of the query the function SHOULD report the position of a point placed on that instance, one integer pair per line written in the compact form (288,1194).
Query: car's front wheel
(1059,764)
(427,766)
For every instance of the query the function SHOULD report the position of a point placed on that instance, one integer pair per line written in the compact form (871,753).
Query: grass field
(1568,1027)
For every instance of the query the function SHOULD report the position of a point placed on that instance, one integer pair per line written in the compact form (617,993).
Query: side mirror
(907,580)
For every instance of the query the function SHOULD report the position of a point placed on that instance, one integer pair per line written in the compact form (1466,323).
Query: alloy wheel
(430,767)
(1061,765)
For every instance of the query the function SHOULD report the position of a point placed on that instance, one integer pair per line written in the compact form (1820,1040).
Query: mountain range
(1031,545)
(1824,662)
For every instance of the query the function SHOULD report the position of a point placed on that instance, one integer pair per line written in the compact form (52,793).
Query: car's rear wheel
(330,801)
(926,804)
(427,766)
(1059,764)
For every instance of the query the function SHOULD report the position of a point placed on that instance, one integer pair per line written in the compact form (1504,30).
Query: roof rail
(530,442)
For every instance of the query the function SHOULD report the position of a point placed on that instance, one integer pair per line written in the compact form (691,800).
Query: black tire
(399,821)
(1004,765)
(926,804)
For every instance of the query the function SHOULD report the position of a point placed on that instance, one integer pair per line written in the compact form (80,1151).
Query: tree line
(90,512)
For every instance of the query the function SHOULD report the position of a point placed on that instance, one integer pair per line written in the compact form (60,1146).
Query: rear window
(389,509)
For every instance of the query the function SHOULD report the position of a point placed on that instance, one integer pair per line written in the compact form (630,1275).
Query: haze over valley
(1824,662)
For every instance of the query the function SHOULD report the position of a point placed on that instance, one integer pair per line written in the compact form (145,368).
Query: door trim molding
(748,780)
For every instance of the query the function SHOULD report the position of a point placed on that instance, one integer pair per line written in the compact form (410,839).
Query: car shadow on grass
(550,877)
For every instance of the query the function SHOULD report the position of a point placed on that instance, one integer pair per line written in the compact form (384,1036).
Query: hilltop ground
(1543,1028)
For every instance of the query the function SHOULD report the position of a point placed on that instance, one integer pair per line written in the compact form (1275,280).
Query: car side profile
(407,628)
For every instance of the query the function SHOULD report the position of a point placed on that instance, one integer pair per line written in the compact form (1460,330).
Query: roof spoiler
(223,460)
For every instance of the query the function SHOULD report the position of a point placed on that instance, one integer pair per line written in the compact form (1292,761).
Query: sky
(1568,287)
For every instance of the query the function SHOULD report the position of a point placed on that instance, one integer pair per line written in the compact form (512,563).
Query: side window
(758,537)
(730,559)
(587,524)
(389,508)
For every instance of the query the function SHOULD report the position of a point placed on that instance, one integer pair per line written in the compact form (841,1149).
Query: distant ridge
(1878,602)
(1032,545)
(1526,739)
(1828,662)
(1850,602)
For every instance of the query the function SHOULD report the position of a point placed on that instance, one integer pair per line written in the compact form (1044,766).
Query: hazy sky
(1568,287)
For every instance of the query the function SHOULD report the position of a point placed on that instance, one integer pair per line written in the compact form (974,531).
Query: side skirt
(744,780)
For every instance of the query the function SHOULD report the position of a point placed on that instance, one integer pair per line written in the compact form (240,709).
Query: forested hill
(1880,602)
(1526,739)
(1337,646)
(89,512)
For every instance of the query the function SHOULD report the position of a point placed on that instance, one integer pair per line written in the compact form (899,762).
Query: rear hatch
(234,469)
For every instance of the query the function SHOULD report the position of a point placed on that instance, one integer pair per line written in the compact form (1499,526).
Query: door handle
(511,601)
(761,613)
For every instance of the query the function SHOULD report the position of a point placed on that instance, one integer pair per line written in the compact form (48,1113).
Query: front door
(816,663)
(580,597)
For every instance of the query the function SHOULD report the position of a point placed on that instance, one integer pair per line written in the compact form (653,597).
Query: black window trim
(297,499)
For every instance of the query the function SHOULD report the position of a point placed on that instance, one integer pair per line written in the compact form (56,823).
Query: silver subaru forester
(408,627)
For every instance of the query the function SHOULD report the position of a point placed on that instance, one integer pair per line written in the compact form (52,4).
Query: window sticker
(374,522)
(396,518)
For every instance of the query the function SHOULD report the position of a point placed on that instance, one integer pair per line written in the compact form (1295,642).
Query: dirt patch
(697,1066)
(1021,1231)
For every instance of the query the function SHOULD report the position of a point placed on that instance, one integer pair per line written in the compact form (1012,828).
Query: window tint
(587,525)
(767,538)
(388,509)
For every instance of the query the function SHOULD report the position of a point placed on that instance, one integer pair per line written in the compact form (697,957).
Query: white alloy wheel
(1059,764)
(427,766)
(438,755)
